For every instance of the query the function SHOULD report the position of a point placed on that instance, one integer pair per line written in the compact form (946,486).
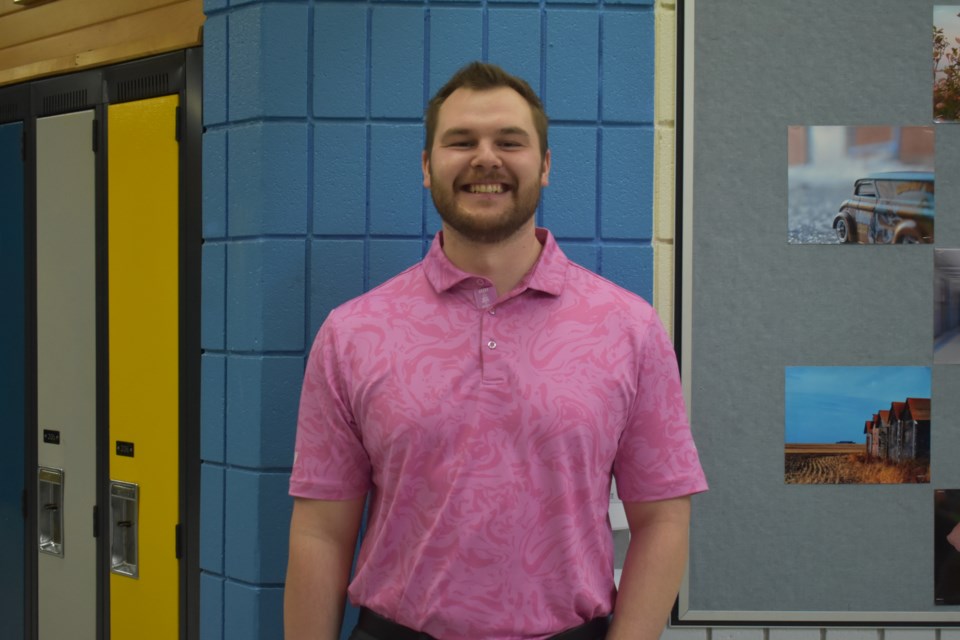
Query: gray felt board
(760,305)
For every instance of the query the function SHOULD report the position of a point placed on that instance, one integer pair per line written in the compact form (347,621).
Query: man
(483,397)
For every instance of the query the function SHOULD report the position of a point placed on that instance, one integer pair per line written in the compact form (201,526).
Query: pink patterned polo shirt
(487,429)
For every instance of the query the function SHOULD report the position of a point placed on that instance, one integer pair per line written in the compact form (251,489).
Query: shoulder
(407,287)
(593,290)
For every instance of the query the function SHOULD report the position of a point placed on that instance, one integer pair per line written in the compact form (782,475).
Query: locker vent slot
(143,87)
(64,102)
(10,111)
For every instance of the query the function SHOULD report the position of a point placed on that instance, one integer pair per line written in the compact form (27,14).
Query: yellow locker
(144,342)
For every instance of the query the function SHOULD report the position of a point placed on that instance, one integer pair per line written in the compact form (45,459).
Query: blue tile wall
(215,70)
(211,613)
(267,178)
(396,72)
(628,66)
(213,381)
(396,179)
(213,290)
(340,178)
(340,60)
(257,514)
(215,184)
(211,518)
(345,258)
(268,61)
(570,200)
(456,38)
(253,613)
(571,83)
(514,42)
(313,194)
(265,295)
(262,390)
(625,196)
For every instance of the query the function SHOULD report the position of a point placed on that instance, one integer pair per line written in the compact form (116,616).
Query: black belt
(384,629)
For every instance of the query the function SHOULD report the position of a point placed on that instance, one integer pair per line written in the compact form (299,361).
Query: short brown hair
(479,76)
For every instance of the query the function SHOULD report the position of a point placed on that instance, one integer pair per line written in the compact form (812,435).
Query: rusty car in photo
(888,208)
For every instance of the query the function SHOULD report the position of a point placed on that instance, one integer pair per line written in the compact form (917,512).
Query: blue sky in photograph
(831,404)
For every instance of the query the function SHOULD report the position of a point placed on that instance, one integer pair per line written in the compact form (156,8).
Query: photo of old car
(888,208)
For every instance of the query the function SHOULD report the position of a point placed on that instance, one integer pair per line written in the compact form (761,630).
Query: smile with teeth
(486,188)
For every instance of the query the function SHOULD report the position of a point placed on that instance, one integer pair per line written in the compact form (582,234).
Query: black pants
(372,626)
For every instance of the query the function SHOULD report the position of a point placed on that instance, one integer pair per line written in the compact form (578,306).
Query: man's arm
(323,536)
(653,569)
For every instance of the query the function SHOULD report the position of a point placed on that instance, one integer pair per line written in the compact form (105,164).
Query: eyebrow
(505,131)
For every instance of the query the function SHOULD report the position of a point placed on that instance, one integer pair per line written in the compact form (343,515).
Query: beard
(485,227)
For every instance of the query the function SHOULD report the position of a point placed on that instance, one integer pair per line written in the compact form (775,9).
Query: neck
(504,263)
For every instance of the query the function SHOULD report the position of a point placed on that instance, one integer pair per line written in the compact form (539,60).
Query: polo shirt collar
(547,274)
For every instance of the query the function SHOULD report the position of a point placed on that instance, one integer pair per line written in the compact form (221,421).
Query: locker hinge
(178,535)
(96,137)
(179,118)
(96,522)
(23,503)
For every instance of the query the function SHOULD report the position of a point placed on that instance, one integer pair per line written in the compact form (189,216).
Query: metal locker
(12,387)
(66,376)
(143,290)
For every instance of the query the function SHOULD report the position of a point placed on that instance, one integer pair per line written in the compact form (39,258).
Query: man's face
(484,170)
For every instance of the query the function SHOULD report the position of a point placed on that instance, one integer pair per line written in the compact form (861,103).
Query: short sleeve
(656,457)
(330,462)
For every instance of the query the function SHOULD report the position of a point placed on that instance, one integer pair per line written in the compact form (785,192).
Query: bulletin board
(750,305)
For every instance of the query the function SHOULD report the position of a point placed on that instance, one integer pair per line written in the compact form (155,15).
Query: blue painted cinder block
(211,6)
(626,186)
(262,390)
(215,71)
(253,613)
(340,179)
(570,201)
(514,42)
(213,295)
(388,257)
(336,275)
(265,295)
(571,83)
(215,184)
(340,60)
(456,38)
(396,179)
(648,3)
(628,66)
(583,254)
(268,61)
(267,170)
(397,41)
(213,381)
(211,607)
(630,266)
(211,517)
(257,520)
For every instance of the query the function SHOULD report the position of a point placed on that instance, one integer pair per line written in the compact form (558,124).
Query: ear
(545,169)
(425,165)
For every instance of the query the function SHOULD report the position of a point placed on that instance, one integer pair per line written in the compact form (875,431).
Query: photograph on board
(860,185)
(857,425)
(946,546)
(946,306)
(946,63)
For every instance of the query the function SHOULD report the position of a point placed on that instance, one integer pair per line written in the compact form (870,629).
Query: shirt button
(492,344)
(481,281)
(493,312)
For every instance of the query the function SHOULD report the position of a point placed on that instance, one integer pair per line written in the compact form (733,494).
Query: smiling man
(483,399)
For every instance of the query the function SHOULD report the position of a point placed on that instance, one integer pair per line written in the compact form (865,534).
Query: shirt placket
(491,342)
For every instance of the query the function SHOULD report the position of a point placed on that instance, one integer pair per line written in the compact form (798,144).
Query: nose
(486,156)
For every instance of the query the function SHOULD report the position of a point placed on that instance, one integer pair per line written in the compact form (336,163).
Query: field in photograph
(845,464)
